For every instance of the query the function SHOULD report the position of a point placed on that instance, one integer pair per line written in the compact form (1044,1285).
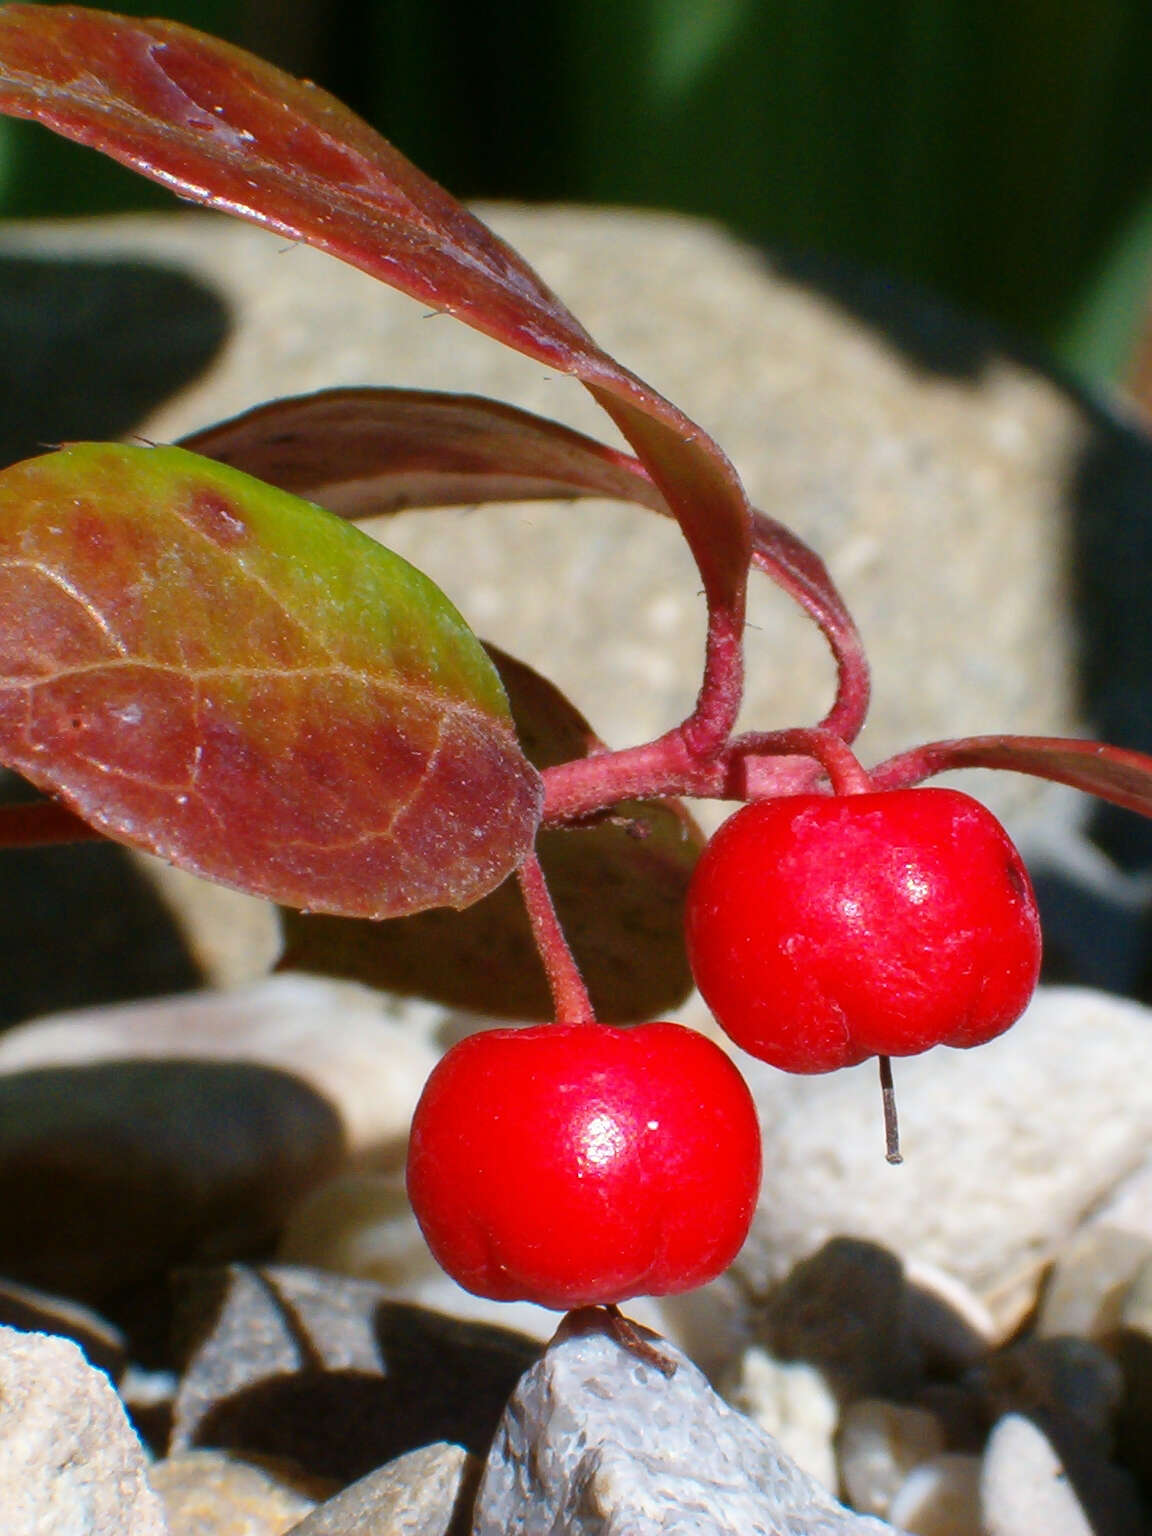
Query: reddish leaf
(618,886)
(1111,773)
(203,666)
(225,129)
(362,452)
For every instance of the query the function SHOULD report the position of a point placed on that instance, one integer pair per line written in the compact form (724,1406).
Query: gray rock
(344,1041)
(70,1464)
(331,1374)
(598,1441)
(207,1493)
(973,1122)
(425,1493)
(112,1172)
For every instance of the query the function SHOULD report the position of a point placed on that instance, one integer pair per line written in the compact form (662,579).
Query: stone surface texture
(424,1493)
(346,1042)
(1023,1486)
(1050,1117)
(881,462)
(70,1462)
(332,1373)
(879,1444)
(207,1493)
(599,1442)
(791,1401)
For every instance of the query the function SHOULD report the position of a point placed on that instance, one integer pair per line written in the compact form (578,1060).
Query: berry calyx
(580,1164)
(826,929)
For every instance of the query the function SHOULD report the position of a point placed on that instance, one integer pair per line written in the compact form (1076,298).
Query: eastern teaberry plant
(202,656)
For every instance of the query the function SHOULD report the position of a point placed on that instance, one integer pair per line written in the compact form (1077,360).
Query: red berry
(826,929)
(574,1164)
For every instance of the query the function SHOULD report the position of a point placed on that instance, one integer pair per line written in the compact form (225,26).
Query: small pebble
(879,1445)
(1024,1490)
(1087,1285)
(942,1498)
(209,1493)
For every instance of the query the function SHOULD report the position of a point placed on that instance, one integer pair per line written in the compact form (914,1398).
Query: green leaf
(232,678)
(618,885)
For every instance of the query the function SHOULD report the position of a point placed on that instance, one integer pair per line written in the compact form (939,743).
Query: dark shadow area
(927,331)
(81,925)
(1111,503)
(318,1369)
(113,1173)
(850,1310)
(88,347)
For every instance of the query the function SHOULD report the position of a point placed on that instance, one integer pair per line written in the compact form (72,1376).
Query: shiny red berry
(826,929)
(574,1164)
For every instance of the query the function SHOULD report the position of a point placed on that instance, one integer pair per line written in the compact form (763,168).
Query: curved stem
(832,752)
(570,1001)
(757,766)
(798,570)
(707,729)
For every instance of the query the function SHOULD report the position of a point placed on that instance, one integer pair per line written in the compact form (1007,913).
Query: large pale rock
(1005,1148)
(70,1463)
(343,1040)
(113,1172)
(597,1441)
(938,500)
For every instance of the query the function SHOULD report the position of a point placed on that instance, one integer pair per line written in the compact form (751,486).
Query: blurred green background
(998,152)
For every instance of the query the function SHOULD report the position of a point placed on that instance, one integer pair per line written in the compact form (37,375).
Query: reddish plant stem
(40,822)
(832,752)
(752,767)
(713,719)
(570,1001)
